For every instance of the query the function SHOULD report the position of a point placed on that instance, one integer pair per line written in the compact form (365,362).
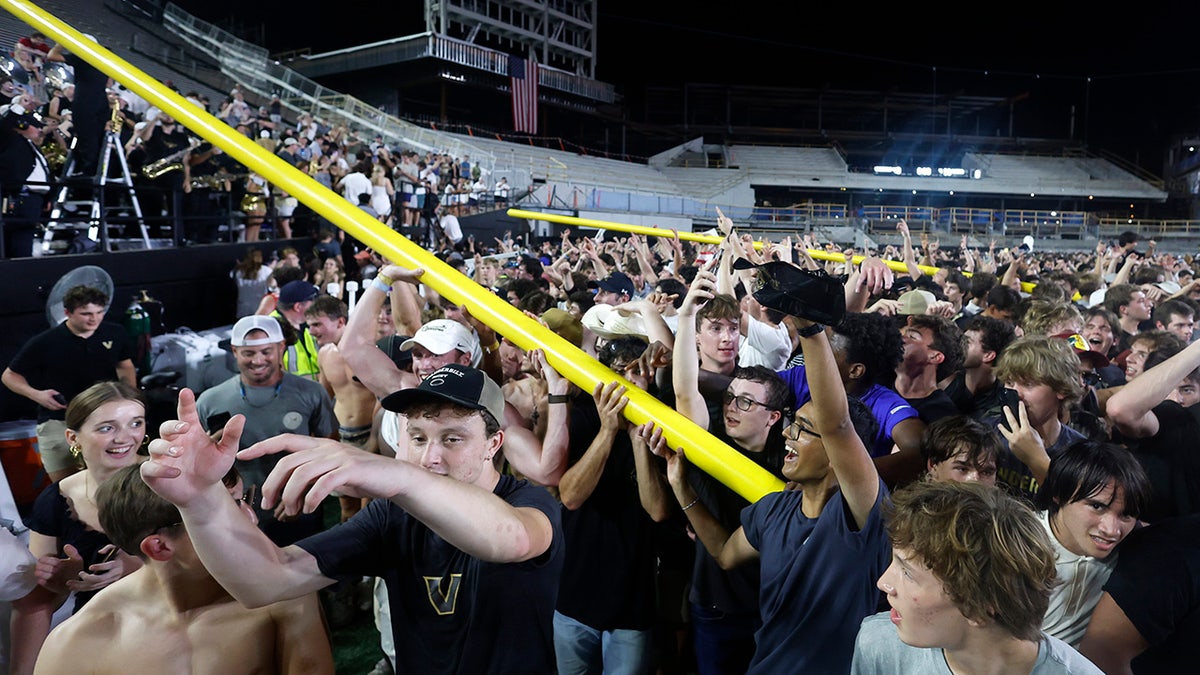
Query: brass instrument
(161,167)
(117,120)
(55,154)
(215,181)
(253,204)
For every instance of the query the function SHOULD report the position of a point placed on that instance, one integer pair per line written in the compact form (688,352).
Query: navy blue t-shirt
(818,580)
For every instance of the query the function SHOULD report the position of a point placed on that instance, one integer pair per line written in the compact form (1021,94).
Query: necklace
(252,404)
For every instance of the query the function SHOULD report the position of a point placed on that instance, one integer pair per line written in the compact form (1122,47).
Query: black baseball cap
(453,383)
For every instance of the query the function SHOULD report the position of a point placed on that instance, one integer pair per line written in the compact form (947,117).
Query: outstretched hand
(185,461)
(315,467)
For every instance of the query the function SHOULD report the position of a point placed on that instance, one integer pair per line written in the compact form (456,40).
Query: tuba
(161,167)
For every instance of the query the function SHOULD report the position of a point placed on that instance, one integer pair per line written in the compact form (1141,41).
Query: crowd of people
(988,469)
(189,189)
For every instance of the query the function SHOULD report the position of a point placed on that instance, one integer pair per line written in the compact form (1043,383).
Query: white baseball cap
(247,324)
(442,335)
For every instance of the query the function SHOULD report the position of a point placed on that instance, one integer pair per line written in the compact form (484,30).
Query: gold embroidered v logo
(443,600)
(107,344)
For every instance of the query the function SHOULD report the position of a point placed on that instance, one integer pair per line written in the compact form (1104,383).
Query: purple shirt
(888,407)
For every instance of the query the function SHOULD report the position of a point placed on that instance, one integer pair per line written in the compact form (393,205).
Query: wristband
(492,348)
(376,283)
(558,398)
(810,331)
(691,504)
(385,279)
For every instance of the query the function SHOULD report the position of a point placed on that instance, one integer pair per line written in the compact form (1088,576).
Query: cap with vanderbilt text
(453,383)
(249,324)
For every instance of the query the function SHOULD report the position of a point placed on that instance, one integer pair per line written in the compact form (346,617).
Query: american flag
(523,76)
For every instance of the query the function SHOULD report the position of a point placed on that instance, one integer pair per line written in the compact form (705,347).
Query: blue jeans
(582,650)
(724,642)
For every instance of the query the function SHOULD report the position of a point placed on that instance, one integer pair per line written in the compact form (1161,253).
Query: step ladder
(98,212)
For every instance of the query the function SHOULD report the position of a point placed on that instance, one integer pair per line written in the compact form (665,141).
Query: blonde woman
(382,193)
(331,273)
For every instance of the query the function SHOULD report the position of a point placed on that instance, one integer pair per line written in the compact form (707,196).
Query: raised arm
(685,369)
(1131,408)
(654,492)
(370,364)
(469,517)
(729,549)
(906,250)
(848,457)
(657,329)
(580,481)
(542,460)
(185,468)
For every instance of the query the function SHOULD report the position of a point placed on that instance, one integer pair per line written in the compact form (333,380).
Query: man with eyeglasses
(724,604)
(820,547)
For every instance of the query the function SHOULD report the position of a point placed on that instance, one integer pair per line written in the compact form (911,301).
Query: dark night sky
(1143,70)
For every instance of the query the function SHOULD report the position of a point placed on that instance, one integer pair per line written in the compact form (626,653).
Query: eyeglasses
(792,431)
(743,403)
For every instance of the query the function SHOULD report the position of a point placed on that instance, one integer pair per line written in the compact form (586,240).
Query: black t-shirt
(978,405)
(608,575)
(736,590)
(53,517)
(934,406)
(59,359)
(1156,583)
(1171,462)
(452,612)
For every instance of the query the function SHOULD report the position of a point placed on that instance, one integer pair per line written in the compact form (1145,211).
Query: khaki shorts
(53,447)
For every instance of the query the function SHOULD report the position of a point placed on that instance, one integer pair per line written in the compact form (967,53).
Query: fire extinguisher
(137,324)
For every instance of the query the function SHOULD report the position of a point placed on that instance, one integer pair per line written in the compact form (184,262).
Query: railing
(251,67)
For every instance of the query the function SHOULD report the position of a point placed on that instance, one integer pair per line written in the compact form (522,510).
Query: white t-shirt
(452,228)
(354,184)
(1081,583)
(764,345)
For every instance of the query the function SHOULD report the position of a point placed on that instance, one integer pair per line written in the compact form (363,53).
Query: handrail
(251,66)
(707,452)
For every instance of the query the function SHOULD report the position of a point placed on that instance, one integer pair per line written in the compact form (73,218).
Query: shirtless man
(171,616)
(353,404)
(434,345)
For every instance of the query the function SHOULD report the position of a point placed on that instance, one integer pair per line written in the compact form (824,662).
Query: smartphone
(1010,400)
(62,400)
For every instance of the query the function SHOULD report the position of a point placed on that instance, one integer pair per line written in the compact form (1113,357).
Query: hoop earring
(76,451)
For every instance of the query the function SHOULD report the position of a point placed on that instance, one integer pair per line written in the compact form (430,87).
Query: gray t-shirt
(297,406)
(879,651)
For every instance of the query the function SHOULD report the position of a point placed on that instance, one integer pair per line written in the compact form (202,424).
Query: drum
(21,462)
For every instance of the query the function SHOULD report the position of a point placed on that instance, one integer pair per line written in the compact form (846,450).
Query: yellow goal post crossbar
(648,231)
(703,449)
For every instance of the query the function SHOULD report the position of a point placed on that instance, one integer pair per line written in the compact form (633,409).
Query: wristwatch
(811,330)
